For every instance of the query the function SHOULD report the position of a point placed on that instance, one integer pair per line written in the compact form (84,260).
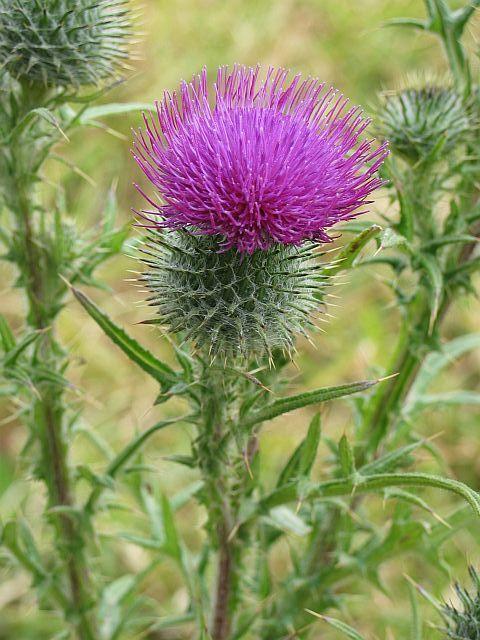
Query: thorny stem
(218,460)
(408,359)
(221,616)
(47,415)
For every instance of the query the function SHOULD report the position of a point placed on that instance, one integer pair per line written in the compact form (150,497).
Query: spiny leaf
(285,519)
(352,250)
(135,352)
(172,544)
(12,356)
(416,618)
(346,456)
(348,631)
(302,459)
(448,398)
(285,405)
(124,456)
(435,276)
(6,335)
(436,362)
(112,109)
(391,460)
(368,484)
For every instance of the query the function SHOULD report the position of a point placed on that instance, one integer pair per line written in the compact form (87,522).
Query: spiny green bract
(228,304)
(464,621)
(64,42)
(415,120)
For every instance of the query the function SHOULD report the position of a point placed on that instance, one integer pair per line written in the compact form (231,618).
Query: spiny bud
(464,621)
(64,42)
(231,305)
(416,119)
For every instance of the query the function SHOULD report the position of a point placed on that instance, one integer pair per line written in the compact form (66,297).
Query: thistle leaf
(351,251)
(285,405)
(347,631)
(6,335)
(360,484)
(302,459)
(135,352)
(113,109)
(346,456)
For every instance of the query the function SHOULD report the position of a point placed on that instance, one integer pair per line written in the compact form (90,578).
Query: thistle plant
(53,55)
(464,620)
(247,183)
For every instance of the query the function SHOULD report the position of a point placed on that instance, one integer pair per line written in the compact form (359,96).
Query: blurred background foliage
(343,42)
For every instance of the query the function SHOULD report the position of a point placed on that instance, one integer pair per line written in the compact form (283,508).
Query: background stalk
(44,291)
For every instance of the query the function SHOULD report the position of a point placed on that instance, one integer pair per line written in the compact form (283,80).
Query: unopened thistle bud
(247,183)
(416,119)
(463,620)
(64,42)
(231,305)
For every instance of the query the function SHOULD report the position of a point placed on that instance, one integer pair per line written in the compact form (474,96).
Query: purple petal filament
(272,161)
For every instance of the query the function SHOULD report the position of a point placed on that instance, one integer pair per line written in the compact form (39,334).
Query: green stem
(409,354)
(217,458)
(411,351)
(47,413)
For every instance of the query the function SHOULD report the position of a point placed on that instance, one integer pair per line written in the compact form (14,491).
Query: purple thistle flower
(270,162)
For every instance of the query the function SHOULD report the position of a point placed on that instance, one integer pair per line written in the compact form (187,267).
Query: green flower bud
(231,305)
(64,42)
(416,119)
(464,619)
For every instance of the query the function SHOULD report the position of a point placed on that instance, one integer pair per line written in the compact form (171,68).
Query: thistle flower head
(257,162)
(64,42)
(230,305)
(464,620)
(415,119)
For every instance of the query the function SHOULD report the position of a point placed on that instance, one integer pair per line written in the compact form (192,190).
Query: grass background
(344,43)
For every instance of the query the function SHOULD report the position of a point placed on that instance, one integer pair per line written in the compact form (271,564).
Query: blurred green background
(343,42)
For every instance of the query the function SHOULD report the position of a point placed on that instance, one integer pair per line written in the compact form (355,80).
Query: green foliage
(464,619)
(64,42)
(249,546)
(416,119)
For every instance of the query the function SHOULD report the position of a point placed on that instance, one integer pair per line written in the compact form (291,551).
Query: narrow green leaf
(43,114)
(124,456)
(113,109)
(448,398)
(360,484)
(12,356)
(139,541)
(6,335)
(351,251)
(348,631)
(285,405)
(464,269)
(135,352)
(109,610)
(303,457)
(435,276)
(391,460)
(346,457)
(436,362)
(412,23)
(416,619)
(285,519)
(411,498)
(448,239)
(391,238)
(172,544)
(309,446)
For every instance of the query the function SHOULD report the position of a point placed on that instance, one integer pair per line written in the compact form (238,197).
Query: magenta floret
(257,161)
